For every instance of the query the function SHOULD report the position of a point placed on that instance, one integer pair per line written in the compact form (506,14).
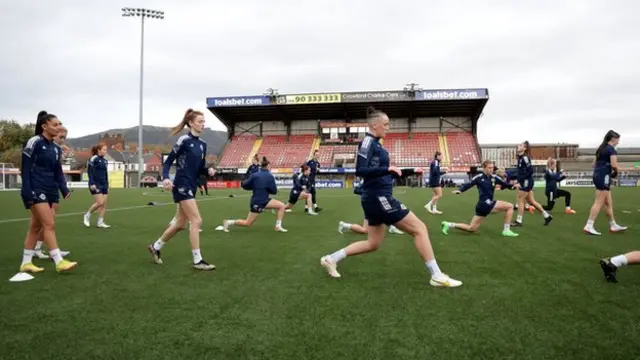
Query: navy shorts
(483,208)
(435,184)
(257,205)
(100,190)
(526,185)
(40,198)
(294,195)
(383,210)
(182,193)
(602,181)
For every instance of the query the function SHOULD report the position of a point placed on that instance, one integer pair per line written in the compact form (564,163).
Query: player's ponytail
(373,114)
(189,116)
(264,163)
(610,135)
(527,147)
(43,118)
(96,148)
(435,156)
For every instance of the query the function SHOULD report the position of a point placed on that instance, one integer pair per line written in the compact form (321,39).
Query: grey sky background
(557,71)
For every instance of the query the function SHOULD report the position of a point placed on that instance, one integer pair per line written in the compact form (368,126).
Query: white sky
(556,70)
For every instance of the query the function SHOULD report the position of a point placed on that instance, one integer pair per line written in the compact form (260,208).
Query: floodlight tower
(142,14)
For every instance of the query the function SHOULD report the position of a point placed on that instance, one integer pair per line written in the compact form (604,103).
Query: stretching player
(486,183)
(381,208)
(300,190)
(42,175)
(262,184)
(552,177)
(605,168)
(189,153)
(434,183)
(525,179)
(362,229)
(610,266)
(254,167)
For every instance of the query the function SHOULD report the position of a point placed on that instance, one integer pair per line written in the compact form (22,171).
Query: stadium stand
(288,128)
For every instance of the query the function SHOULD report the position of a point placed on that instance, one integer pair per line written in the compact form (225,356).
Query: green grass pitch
(539,296)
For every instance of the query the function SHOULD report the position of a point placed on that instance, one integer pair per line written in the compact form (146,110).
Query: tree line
(13,137)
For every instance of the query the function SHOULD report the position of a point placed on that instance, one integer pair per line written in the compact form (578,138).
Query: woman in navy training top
(62,186)
(552,177)
(525,179)
(435,183)
(263,184)
(300,190)
(98,172)
(41,173)
(486,184)
(381,208)
(605,168)
(189,154)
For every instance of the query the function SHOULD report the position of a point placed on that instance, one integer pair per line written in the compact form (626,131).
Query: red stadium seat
(409,152)
(283,153)
(236,152)
(463,149)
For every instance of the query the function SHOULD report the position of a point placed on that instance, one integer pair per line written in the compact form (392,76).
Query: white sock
(568,207)
(88,214)
(545,214)
(338,256)
(612,224)
(451,225)
(507,226)
(519,218)
(278,223)
(100,220)
(197,257)
(619,260)
(230,222)
(55,255)
(346,226)
(27,256)
(589,224)
(38,246)
(158,244)
(432,265)
(429,205)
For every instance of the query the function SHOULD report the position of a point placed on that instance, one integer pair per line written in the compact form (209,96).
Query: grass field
(539,296)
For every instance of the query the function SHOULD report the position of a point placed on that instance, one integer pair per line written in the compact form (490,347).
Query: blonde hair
(189,116)
(550,161)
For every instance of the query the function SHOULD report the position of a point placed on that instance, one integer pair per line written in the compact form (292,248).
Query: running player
(525,179)
(605,168)
(262,184)
(98,172)
(486,183)
(189,153)
(435,184)
(552,177)
(380,208)
(610,266)
(41,173)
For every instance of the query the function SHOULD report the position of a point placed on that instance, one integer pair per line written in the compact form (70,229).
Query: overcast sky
(557,71)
